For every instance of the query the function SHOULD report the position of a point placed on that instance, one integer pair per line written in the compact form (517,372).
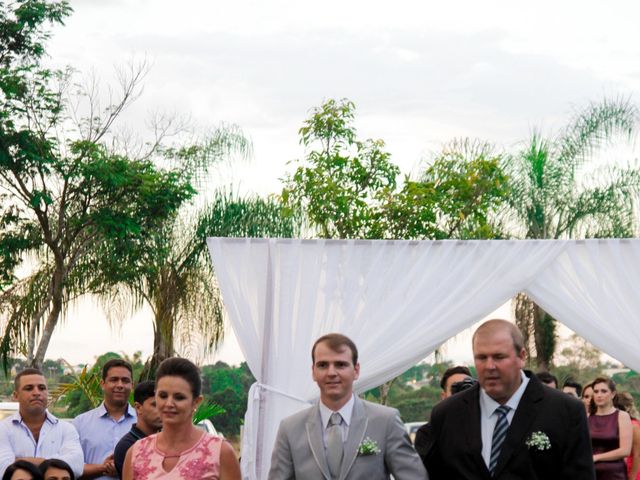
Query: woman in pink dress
(180,451)
(610,431)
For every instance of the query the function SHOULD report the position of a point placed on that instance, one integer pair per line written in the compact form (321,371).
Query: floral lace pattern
(202,461)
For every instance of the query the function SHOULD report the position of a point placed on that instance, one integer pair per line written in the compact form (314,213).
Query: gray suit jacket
(299,451)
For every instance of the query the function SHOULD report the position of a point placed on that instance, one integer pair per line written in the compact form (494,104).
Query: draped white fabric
(399,300)
(592,288)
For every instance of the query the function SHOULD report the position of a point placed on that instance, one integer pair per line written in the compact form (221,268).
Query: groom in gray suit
(342,437)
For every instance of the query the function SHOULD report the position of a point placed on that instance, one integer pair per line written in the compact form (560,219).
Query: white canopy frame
(400,300)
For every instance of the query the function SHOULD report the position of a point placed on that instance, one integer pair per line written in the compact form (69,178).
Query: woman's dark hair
(611,385)
(22,465)
(183,368)
(56,463)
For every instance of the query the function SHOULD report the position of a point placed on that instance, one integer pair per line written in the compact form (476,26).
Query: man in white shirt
(342,437)
(33,434)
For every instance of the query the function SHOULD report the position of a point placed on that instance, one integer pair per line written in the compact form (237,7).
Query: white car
(208,427)
(412,428)
(8,408)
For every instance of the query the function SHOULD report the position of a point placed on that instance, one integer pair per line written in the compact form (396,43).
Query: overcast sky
(420,73)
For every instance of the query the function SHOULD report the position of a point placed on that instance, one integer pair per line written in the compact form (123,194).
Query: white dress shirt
(345,412)
(488,417)
(57,439)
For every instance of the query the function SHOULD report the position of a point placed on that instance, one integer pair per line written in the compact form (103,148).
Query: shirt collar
(48,417)
(489,405)
(345,412)
(102,410)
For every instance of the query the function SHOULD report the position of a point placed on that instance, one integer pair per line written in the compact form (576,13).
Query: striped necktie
(499,434)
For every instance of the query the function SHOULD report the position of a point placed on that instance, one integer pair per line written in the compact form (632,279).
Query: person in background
(180,450)
(33,433)
(572,388)
(148,421)
(22,470)
(611,432)
(100,429)
(56,469)
(626,403)
(587,395)
(453,375)
(548,379)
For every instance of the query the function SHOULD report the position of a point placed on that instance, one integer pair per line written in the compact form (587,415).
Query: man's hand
(109,467)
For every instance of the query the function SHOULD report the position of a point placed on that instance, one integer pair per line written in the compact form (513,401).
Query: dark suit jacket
(450,445)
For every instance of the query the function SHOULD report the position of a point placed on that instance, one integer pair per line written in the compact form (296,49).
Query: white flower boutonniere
(368,447)
(539,441)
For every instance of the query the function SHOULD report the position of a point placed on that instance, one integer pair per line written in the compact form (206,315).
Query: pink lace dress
(202,461)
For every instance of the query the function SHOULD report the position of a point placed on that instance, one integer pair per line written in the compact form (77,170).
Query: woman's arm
(127,468)
(635,452)
(625,432)
(229,465)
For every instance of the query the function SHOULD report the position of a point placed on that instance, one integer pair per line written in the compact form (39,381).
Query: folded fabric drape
(399,301)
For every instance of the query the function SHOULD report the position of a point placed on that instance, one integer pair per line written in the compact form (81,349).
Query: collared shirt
(57,439)
(100,432)
(488,417)
(345,412)
(124,445)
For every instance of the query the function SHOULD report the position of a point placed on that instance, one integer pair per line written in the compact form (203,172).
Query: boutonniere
(368,447)
(539,441)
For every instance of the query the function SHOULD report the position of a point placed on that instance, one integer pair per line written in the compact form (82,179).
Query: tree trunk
(538,329)
(384,391)
(163,344)
(57,291)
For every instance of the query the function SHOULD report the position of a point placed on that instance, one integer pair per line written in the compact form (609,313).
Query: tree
(343,179)
(75,208)
(176,278)
(554,196)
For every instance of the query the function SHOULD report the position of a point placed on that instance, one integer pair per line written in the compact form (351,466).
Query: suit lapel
(314,437)
(472,431)
(357,429)
(523,417)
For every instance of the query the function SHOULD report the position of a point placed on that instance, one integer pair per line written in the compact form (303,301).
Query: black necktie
(499,434)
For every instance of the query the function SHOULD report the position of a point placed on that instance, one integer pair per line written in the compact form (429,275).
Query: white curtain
(398,300)
(592,288)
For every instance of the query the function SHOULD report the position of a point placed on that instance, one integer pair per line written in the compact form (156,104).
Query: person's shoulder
(376,409)
(298,417)
(88,415)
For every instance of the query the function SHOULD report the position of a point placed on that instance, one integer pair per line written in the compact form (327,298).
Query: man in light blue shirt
(33,434)
(102,428)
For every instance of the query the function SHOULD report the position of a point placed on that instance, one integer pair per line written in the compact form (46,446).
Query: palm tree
(558,191)
(177,281)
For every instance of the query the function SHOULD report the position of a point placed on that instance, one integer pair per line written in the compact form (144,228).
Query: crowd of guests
(507,424)
(153,439)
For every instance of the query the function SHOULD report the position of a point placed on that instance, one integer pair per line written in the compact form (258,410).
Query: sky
(420,74)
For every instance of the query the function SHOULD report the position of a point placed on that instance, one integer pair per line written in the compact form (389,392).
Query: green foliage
(342,179)
(77,208)
(557,192)
(228,387)
(207,410)
(347,187)
(456,196)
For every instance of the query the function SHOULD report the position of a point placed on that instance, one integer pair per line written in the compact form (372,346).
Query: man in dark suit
(509,425)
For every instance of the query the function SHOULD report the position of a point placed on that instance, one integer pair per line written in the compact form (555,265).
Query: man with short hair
(509,425)
(572,388)
(452,375)
(33,434)
(548,379)
(342,437)
(102,428)
(148,422)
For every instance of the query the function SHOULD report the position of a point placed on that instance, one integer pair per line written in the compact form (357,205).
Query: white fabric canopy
(399,300)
